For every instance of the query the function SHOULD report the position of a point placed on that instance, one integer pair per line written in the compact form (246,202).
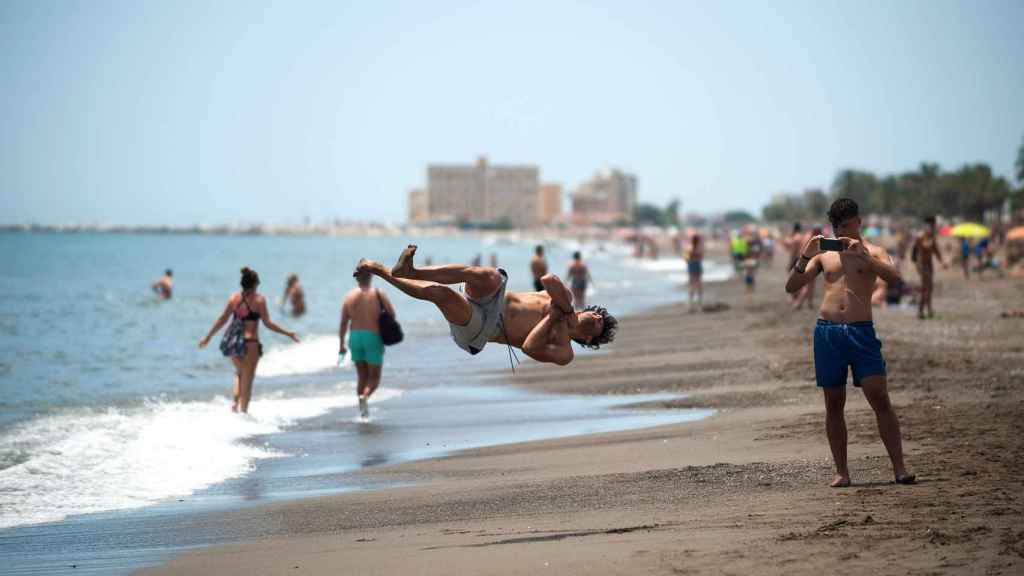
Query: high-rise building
(483,193)
(608,197)
(418,206)
(549,205)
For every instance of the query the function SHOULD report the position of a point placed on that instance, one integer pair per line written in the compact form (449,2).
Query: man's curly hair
(607,328)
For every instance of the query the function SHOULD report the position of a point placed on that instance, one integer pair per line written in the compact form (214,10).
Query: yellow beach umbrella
(970,230)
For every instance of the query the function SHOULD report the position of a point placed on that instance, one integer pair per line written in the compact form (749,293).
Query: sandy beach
(742,492)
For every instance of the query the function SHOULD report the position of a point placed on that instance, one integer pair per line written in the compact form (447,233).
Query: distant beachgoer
(652,248)
(749,267)
(893,290)
(806,294)
(987,260)
(695,270)
(878,292)
(542,324)
(755,246)
(902,247)
(965,257)
(241,342)
(164,287)
(982,256)
(361,308)
(926,248)
(478,260)
(768,255)
(844,337)
(294,295)
(538,267)
(579,277)
(494,259)
(738,249)
(794,242)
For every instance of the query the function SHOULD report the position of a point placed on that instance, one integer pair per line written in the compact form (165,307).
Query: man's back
(363,306)
(538,266)
(578,270)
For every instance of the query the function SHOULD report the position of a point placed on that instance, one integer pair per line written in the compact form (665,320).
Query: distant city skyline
(180,113)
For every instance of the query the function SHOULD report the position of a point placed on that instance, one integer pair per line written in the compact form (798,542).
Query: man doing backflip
(845,338)
(542,324)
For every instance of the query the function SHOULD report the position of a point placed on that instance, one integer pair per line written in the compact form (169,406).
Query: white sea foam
(675,268)
(660,265)
(313,354)
(88,460)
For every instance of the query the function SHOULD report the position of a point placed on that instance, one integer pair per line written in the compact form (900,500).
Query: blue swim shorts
(366,346)
(838,347)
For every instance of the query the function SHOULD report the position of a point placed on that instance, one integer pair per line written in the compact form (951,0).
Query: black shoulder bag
(390,330)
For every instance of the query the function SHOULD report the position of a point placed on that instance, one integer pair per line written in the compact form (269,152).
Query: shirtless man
(845,335)
(794,242)
(541,324)
(926,248)
(361,308)
(579,277)
(164,287)
(538,267)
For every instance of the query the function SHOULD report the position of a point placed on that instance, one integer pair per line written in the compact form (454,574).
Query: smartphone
(830,245)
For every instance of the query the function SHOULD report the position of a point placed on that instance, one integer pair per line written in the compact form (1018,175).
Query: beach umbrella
(970,230)
(1015,233)
(946,230)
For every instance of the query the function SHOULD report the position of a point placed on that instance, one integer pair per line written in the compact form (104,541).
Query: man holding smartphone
(844,337)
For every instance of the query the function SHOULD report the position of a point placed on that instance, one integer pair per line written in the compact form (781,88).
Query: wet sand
(744,491)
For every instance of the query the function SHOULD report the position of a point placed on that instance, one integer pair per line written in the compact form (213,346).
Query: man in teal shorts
(361,307)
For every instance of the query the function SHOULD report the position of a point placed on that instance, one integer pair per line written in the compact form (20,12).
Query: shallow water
(321,455)
(108,409)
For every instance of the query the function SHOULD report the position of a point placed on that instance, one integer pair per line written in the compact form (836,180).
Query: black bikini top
(251,316)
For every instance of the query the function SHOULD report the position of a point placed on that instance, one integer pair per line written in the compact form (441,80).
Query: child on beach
(844,337)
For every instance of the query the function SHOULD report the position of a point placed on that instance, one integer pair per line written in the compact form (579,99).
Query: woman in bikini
(242,343)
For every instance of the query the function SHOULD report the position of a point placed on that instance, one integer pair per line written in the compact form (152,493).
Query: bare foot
(906,479)
(840,482)
(403,268)
(368,267)
(234,404)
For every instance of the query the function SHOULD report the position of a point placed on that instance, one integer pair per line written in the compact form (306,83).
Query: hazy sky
(164,112)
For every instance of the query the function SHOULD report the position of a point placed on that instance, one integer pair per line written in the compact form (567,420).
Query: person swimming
(164,287)
(294,295)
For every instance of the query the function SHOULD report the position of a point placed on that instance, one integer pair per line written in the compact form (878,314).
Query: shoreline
(202,384)
(745,489)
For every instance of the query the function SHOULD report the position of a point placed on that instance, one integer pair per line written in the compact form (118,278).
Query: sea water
(108,404)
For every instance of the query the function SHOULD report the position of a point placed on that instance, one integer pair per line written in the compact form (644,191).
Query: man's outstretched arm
(807,267)
(549,340)
(560,295)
